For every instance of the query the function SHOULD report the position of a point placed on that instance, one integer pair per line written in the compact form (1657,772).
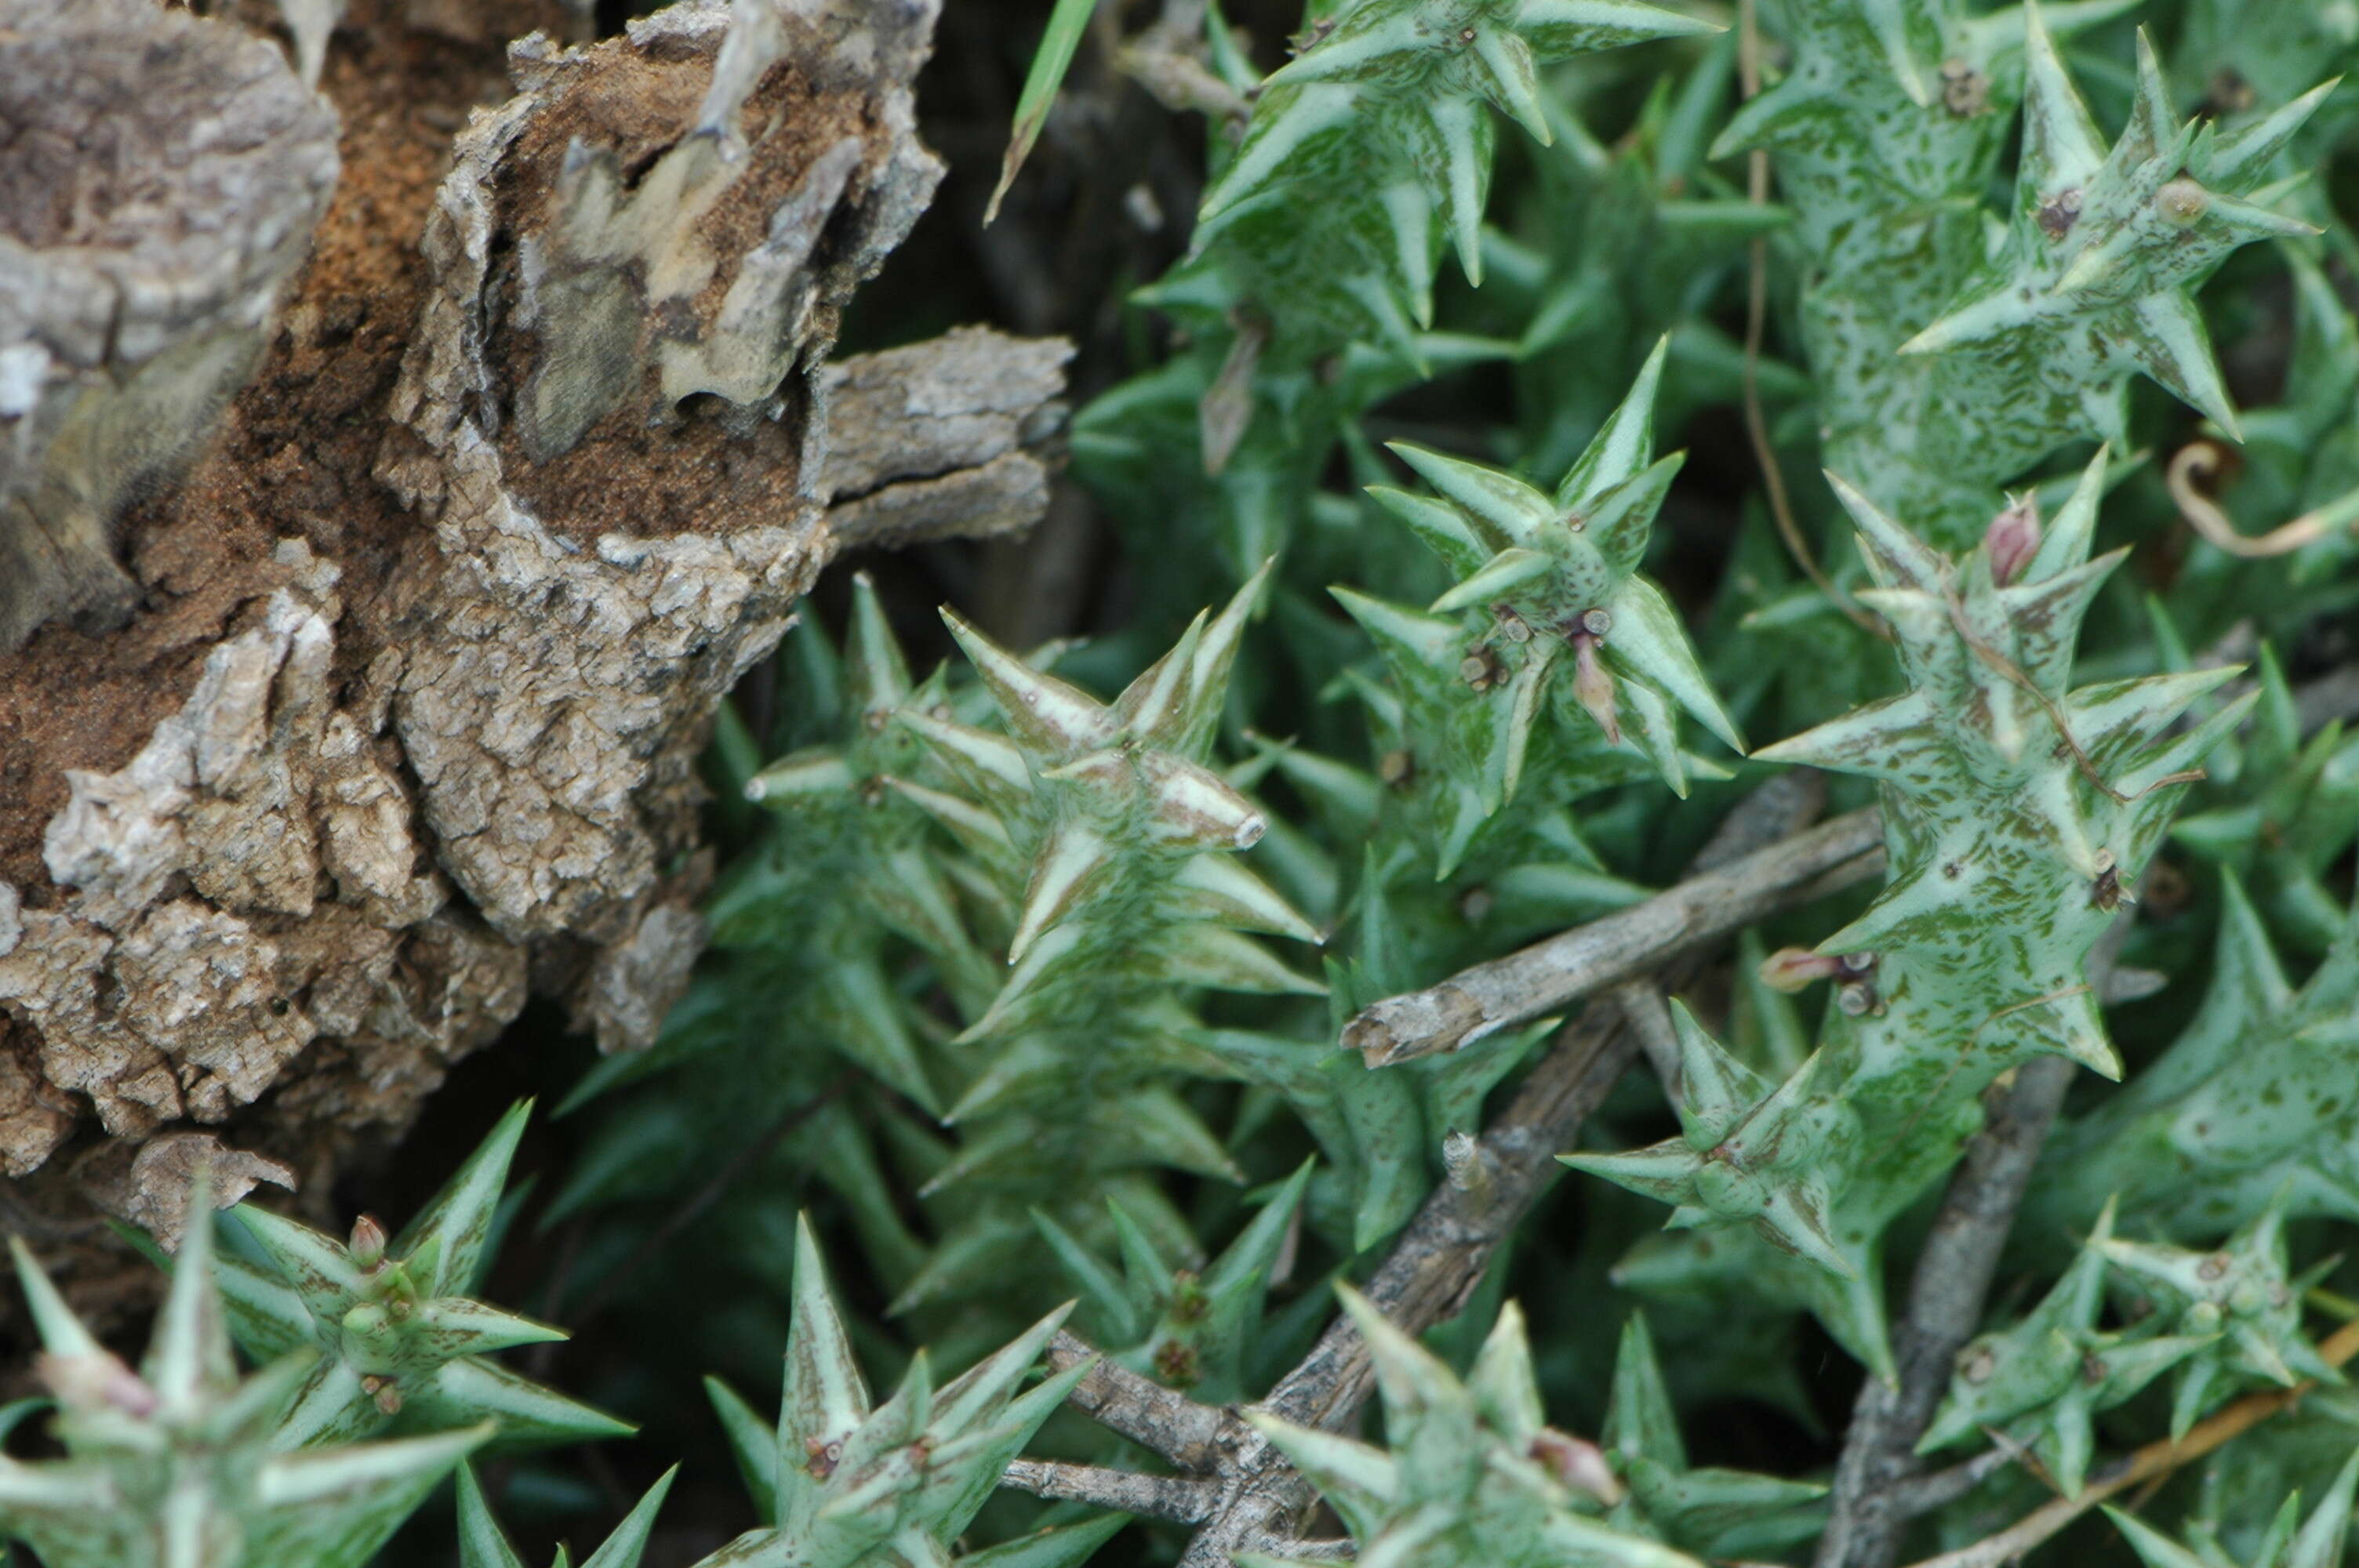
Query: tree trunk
(383,714)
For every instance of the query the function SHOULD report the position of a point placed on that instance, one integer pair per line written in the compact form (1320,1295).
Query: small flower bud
(1578,1463)
(368,1242)
(2013,538)
(1794,969)
(2182,202)
(1593,688)
(1177,1365)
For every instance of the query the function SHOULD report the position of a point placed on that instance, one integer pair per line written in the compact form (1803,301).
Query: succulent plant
(180,1464)
(1706,1509)
(2044,1378)
(992,992)
(401,1340)
(1550,579)
(2012,803)
(1103,848)
(1193,1329)
(842,1482)
(1381,115)
(1472,1473)
(2239,1300)
(2244,1113)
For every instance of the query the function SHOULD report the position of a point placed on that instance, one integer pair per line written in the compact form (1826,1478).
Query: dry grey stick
(1181,1499)
(1873,1504)
(1923,1494)
(1648,1013)
(1545,977)
(1193,1436)
(1440,1257)
(1295,1548)
(1945,1305)
(952,437)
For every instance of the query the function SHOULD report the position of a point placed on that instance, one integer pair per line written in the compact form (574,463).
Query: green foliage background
(1418,594)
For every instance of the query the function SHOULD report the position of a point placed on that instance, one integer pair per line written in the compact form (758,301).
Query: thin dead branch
(1548,975)
(1440,1257)
(1180,1499)
(2201,460)
(1194,1437)
(1945,1306)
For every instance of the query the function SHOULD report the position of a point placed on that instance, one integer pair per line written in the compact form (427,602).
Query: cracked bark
(536,460)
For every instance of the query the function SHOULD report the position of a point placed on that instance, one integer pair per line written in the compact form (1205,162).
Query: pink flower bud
(368,1242)
(2013,538)
(1578,1463)
(1793,969)
(1593,688)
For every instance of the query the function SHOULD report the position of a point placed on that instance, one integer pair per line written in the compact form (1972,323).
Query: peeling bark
(162,177)
(536,464)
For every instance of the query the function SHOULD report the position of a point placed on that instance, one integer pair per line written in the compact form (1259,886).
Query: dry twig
(1182,1499)
(1193,1436)
(1547,975)
(1874,1496)
(1439,1259)
(1945,1305)
(2201,460)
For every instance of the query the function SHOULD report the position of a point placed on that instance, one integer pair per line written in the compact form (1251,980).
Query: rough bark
(403,724)
(160,175)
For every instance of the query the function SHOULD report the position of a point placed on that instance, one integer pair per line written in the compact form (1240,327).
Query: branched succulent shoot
(2251,1108)
(2300,815)
(2240,1299)
(2091,284)
(1380,120)
(1188,1328)
(2013,804)
(859,856)
(2043,1380)
(1473,1475)
(1105,846)
(1549,609)
(1713,1512)
(1947,366)
(179,1465)
(842,1482)
(400,1340)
